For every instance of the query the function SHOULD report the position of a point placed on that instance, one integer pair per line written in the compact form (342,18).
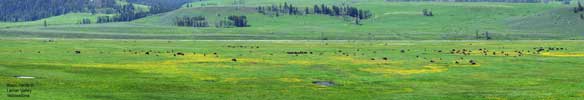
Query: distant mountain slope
(30,10)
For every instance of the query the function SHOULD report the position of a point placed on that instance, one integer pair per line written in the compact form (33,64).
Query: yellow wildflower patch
(359,61)
(167,66)
(408,90)
(494,98)
(208,78)
(290,80)
(251,60)
(301,62)
(404,90)
(194,59)
(426,69)
(559,54)
(142,67)
(235,80)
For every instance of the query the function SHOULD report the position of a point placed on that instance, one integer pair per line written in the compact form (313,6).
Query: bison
(472,62)
(180,54)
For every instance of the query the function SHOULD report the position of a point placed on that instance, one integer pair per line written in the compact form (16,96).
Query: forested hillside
(30,10)
(162,5)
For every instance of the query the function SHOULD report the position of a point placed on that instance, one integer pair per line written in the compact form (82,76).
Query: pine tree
(430,14)
(477,36)
(487,35)
(357,21)
(580,8)
(317,9)
(45,23)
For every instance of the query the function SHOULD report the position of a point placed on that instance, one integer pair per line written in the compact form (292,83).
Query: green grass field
(121,69)
(391,21)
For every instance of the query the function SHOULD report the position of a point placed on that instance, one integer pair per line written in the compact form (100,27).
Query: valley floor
(252,70)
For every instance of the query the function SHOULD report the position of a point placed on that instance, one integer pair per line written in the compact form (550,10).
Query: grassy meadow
(122,69)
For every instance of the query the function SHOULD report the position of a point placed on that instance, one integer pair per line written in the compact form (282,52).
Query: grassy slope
(393,20)
(114,74)
(67,19)
(140,7)
(558,21)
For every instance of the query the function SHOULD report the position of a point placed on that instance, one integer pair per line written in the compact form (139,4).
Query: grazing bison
(77,52)
(472,62)
(180,53)
(234,59)
(298,52)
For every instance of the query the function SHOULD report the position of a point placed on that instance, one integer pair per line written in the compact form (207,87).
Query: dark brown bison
(472,62)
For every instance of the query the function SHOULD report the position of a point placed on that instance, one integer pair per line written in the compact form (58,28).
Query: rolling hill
(390,21)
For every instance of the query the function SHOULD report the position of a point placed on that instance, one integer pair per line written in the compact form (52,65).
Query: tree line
(125,13)
(275,10)
(322,9)
(578,9)
(238,21)
(84,21)
(486,35)
(197,21)
(201,21)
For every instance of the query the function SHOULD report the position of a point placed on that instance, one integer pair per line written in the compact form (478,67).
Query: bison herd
(381,54)
(357,52)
